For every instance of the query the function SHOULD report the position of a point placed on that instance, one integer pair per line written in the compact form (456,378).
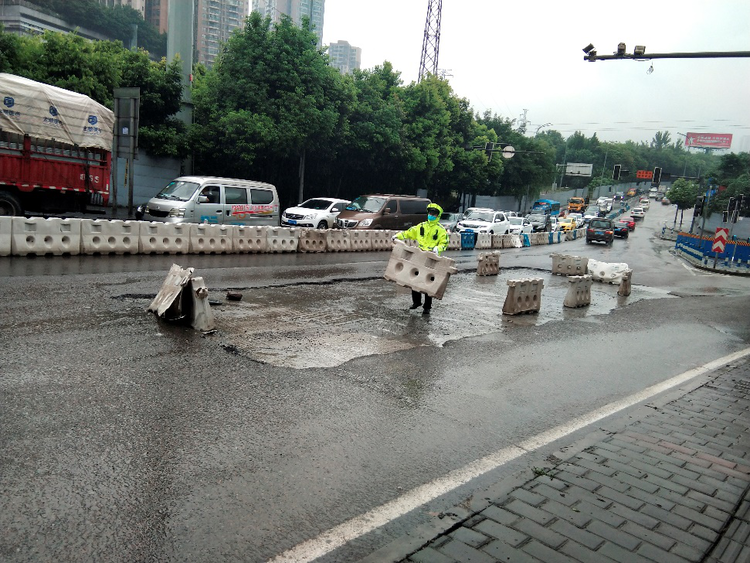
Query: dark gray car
(539,221)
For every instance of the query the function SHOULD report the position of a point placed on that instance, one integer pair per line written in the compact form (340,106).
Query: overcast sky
(507,56)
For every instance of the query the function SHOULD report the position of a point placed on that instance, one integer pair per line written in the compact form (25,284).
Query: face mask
(432,217)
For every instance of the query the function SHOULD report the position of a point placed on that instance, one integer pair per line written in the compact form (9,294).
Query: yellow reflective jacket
(428,234)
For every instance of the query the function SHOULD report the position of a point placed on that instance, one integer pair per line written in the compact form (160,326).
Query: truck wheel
(9,205)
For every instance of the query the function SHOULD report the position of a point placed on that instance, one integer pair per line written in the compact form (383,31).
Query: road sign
(644,174)
(508,152)
(720,240)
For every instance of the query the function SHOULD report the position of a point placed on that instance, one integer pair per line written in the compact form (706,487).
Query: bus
(548,206)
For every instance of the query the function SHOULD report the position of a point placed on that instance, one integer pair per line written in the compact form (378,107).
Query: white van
(206,199)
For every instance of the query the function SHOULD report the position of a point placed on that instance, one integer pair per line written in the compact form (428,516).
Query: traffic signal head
(616,172)
(657,176)
(699,205)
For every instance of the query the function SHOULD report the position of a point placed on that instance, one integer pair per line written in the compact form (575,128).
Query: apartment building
(295,9)
(344,56)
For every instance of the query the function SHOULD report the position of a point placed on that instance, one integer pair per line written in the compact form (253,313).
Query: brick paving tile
(469,537)
(627,468)
(583,554)
(621,555)
(612,482)
(551,482)
(683,537)
(528,511)
(731,472)
(668,484)
(631,443)
(666,516)
(594,466)
(601,513)
(567,513)
(544,553)
(644,484)
(724,482)
(699,518)
(663,542)
(429,555)
(502,552)
(718,514)
(621,498)
(540,533)
(529,497)
(465,553)
(707,489)
(555,494)
(640,436)
(703,532)
(500,532)
(677,448)
(655,554)
(500,515)
(728,550)
(634,516)
(717,460)
(586,538)
(614,535)
(577,481)
(571,467)
(694,461)
(723,500)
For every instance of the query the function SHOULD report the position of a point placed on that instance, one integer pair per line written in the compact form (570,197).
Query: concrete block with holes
(419,270)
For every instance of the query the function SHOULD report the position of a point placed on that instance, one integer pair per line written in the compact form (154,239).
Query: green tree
(683,194)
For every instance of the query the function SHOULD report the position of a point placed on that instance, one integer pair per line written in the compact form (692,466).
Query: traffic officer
(431,236)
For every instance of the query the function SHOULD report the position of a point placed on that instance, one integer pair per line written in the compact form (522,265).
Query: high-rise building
(214,22)
(157,14)
(344,56)
(295,9)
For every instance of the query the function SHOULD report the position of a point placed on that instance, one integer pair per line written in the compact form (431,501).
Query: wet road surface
(319,397)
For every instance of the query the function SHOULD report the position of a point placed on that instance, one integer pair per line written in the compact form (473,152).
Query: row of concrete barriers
(20,236)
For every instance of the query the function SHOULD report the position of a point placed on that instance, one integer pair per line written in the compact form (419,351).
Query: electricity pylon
(428,63)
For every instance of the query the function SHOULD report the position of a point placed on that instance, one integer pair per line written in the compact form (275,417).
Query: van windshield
(368,204)
(179,191)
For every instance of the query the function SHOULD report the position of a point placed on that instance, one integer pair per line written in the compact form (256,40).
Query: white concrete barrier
(247,239)
(360,241)
(579,291)
(607,272)
(282,239)
(484,241)
(567,265)
(419,270)
(524,296)
(489,264)
(40,236)
(312,240)
(101,236)
(206,238)
(6,232)
(380,240)
(454,241)
(625,283)
(164,238)
(337,240)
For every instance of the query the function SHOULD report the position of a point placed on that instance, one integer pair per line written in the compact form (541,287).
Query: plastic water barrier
(360,240)
(337,240)
(607,272)
(210,239)
(579,291)
(566,265)
(110,237)
(246,239)
(524,296)
(312,240)
(419,270)
(489,264)
(280,239)
(6,230)
(165,238)
(39,236)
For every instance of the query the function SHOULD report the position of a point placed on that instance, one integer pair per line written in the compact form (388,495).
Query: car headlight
(309,216)
(366,222)
(177,212)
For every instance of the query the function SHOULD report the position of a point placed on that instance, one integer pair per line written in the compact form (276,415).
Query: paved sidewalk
(668,487)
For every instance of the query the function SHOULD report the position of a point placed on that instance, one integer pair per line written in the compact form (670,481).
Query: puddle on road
(326,325)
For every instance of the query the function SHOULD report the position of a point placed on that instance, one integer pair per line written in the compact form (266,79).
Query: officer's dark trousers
(416,299)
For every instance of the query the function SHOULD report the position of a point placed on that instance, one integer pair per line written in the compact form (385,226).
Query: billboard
(578,169)
(708,140)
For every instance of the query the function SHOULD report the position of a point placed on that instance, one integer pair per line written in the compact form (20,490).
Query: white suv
(318,213)
(484,221)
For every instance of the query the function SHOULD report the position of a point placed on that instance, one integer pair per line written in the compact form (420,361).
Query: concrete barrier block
(483,242)
(489,264)
(164,238)
(100,236)
(625,283)
(454,241)
(337,240)
(497,241)
(380,240)
(419,270)
(360,240)
(208,238)
(566,265)
(247,239)
(282,239)
(606,272)
(579,291)
(6,235)
(40,236)
(312,240)
(201,316)
(524,296)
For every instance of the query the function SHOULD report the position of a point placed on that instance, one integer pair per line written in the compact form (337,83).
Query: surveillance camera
(588,48)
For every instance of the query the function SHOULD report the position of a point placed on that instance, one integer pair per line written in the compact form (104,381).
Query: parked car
(318,213)
(622,230)
(539,221)
(449,220)
(469,210)
(665,201)
(578,219)
(554,224)
(637,213)
(520,225)
(493,222)
(629,220)
(567,224)
(383,211)
(600,230)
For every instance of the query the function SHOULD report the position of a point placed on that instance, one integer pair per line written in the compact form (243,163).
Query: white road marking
(688,269)
(381,515)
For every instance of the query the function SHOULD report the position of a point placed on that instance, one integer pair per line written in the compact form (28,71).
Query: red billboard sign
(644,175)
(708,140)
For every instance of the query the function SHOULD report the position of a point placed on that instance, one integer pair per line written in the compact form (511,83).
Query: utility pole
(428,63)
